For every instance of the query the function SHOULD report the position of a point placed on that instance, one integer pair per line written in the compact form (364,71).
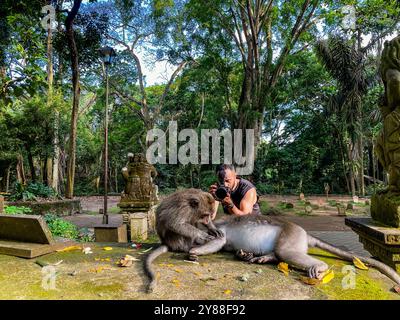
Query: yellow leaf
(328,276)
(197,273)
(71,248)
(284,267)
(176,282)
(107,248)
(162,264)
(310,281)
(170,265)
(178,270)
(359,264)
(227,291)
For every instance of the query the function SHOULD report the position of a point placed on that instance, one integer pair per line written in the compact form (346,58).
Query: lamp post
(107,55)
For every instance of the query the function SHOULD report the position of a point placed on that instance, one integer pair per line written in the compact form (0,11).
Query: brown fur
(178,221)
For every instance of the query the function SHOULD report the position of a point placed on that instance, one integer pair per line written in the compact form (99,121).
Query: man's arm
(246,205)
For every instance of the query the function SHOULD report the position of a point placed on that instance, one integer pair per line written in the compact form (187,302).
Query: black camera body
(222,192)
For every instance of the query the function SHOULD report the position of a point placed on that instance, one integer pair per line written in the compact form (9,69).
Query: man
(242,197)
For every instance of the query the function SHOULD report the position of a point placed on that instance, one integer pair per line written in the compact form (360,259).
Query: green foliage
(17,210)
(60,227)
(31,192)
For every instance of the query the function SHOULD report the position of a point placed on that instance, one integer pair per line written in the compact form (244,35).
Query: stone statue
(388,142)
(138,175)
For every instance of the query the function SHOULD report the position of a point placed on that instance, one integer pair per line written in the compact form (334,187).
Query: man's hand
(212,190)
(227,201)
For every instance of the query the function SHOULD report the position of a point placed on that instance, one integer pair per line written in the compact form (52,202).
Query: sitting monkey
(179,218)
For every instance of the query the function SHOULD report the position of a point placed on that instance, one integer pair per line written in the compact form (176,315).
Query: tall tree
(69,23)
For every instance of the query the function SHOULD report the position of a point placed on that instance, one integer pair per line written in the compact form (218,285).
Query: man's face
(230,178)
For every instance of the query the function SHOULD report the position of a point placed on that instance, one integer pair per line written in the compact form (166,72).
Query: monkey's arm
(210,247)
(189,231)
(212,229)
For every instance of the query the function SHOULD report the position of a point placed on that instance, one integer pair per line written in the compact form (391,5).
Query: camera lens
(221,192)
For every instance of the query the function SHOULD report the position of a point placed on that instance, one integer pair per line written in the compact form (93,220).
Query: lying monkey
(257,240)
(178,221)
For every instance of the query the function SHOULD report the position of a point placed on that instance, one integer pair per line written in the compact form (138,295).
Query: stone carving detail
(138,175)
(393,239)
(388,142)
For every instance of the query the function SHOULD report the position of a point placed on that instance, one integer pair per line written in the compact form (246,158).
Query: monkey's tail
(392,274)
(148,266)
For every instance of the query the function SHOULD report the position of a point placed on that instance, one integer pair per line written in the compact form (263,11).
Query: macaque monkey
(179,218)
(256,239)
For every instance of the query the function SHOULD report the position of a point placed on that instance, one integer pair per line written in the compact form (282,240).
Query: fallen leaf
(259,271)
(328,276)
(145,251)
(197,273)
(244,277)
(71,248)
(170,265)
(127,261)
(107,248)
(176,282)
(310,281)
(208,279)
(87,250)
(99,269)
(178,270)
(162,264)
(359,264)
(227,291)
(283,267)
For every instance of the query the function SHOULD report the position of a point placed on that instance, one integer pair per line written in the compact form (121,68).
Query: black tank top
(238,194)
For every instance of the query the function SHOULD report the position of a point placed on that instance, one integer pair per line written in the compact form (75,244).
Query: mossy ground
(218,276)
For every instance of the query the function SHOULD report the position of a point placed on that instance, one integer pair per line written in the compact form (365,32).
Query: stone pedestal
(136,224)
(381,241)
(385,207)
(111,233)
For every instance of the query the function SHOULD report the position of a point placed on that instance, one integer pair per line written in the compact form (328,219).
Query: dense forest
(304,74)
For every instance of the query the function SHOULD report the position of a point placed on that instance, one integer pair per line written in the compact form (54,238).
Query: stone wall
(59,207)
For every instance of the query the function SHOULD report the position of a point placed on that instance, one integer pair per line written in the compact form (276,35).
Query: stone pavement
(346,240)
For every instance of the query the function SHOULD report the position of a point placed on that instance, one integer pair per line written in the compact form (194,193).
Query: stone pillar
(380,233)
(139,198)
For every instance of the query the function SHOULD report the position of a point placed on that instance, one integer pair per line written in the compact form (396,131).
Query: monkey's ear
(194,202)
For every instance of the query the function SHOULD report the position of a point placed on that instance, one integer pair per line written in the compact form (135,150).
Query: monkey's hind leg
(292,248)
(249,257)
(314,267)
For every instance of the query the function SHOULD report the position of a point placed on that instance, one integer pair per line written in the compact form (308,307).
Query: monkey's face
(202,207)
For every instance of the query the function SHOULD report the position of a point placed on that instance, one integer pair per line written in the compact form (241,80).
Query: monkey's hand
(216,233)
(203,237)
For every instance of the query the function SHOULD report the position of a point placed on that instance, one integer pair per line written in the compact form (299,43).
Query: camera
(222,192)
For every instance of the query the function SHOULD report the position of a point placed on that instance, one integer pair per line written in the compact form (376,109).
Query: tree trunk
(20,170)
(8,178)
(351,171)
(31,164)
(69,192)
